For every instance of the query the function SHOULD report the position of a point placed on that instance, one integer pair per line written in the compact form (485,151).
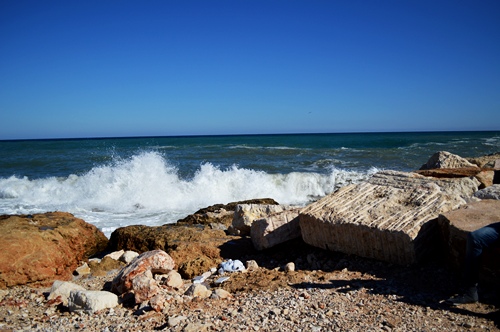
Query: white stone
(252,265)
(173,279)
(290,267)
(115,254)
(220,293)
(84,269)
(91,300)
(63,289)
(174,321)
(128,256)
(199,290)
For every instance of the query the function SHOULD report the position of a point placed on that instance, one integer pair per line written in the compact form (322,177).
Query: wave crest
(146,189)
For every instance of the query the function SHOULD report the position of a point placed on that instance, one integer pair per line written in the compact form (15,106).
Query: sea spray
(147,189)
(113,182)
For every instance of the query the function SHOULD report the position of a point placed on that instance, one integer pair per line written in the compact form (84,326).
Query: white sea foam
(147,189)
(493,141)
(249,147)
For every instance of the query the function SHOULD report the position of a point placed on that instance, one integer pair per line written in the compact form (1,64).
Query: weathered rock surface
(276,228)
(173,279)
(103,266)
(91,301)
(199,290)
(194,248)
(38,249)
(128,256)
(138,276)
(391,217)
(446,165)
(484,176)
(220,213)
(246,214)
(488,161)
(492,192)
(444,159)
(62,290)
(455,225)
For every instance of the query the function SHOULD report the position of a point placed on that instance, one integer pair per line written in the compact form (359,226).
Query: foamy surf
(147,189)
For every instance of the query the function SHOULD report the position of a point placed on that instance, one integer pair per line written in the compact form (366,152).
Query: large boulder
(455,225)
(390,217)
(138,276)
(38,249)
(276,228)
(444,159)
(246,214)
(447,165)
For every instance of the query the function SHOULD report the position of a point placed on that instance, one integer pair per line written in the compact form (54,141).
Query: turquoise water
(114,182)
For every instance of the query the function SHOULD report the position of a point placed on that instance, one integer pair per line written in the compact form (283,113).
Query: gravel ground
(355,295)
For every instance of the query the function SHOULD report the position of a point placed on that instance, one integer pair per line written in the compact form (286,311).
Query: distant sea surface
(115,182)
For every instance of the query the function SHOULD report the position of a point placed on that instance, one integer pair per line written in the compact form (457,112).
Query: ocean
(115,182)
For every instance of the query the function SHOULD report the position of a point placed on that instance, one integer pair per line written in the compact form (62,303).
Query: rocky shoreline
(288,284)
(350,294)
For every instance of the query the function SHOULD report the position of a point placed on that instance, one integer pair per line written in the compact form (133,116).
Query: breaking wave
(147,189)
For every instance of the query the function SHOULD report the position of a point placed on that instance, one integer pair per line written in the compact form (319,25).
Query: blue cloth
(231,266)
(483,238)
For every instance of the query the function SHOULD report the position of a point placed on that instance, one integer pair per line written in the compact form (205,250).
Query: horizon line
(248,134)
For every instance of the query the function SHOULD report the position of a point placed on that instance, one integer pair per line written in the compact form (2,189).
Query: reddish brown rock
(138,275)
(194,248)
(483,175)
(450,172)
(38,249)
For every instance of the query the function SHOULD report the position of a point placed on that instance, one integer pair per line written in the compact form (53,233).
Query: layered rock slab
(40,248)
(246,214)
(275,229)
(391,217)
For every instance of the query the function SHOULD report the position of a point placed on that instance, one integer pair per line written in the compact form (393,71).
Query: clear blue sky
(140,68)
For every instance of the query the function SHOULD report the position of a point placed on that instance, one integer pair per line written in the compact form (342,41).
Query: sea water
(114,182)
